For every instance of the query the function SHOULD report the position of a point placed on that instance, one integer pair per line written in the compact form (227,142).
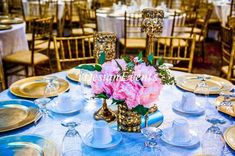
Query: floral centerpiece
(133,84)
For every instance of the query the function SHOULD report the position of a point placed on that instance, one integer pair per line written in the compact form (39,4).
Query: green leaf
(102,58)
(140,109)
(117,101)
(98,67)
(126,58)
(86,67)
(140,56)
(159,61)
(102,95)
(119,66)
(130,64)
(150,59)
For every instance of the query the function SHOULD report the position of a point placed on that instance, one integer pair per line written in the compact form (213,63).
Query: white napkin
(66,103)
(188,102)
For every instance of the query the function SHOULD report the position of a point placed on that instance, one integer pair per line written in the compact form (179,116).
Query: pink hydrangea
(127,90)
(101,85)
(111,67)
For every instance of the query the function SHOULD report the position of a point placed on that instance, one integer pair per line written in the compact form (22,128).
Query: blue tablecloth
(132,142)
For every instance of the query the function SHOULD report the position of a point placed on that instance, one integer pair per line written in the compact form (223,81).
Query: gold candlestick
(104,113)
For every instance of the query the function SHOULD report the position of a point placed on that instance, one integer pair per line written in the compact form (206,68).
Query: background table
(132,142)
(116,24)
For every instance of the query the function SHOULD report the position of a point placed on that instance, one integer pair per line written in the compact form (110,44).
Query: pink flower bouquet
(128,81)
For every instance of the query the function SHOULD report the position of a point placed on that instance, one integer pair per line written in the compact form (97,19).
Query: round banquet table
(13,40)
(222,10)
(116,24)
(132,142)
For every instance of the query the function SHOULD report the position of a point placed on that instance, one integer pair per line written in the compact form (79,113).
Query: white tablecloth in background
(116,24)
(13,40)
(222,10)
(35,9)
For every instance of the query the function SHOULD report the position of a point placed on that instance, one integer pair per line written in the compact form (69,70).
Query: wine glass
(85,78)
(72,141)
(212,140)
(151,147)
(52,85)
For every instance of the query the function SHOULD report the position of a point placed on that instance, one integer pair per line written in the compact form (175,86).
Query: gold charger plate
(27,145)
(72,74)
(15,114)
(11,21)
(229,137)
(5,27)
(223,109)
(33,87)
(216,84)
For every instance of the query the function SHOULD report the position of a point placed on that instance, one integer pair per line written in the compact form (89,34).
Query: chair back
(70,50)
(178,21)
(86,16)
(228,48)
(232,8)
(132,26)
(42,34)
(181,56)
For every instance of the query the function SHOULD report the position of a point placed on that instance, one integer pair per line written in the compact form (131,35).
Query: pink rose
(111,67)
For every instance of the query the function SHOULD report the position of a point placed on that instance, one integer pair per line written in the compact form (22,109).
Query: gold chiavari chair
(4,7)
(2,80)
(133,37)
(73,50)
(42,32)
(88,22)
(181,56)
(228,49)
(232,8)
(15,8)
(199,28)
(104,3)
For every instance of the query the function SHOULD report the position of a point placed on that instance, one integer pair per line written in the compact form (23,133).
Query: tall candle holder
(152,24)
(105,42)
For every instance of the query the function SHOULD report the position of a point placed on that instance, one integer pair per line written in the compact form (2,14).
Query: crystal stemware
(212,140)
(151,147)
(52,86)
(72,141)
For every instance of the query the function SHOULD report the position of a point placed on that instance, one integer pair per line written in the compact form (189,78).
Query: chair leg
(203,51)
(26,71)
(5,74)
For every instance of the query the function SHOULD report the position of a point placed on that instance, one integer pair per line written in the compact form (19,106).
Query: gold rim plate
(5,27)
(22,145)
(72,74)
(216,84)
(11,21)
(16,114)
(33,87)
(224,109)
(229,137)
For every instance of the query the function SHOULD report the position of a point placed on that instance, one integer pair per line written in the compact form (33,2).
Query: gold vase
(104,113)
(128,120)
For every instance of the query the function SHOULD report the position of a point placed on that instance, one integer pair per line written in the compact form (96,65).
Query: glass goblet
(52,86)
(151,147)
(72,141)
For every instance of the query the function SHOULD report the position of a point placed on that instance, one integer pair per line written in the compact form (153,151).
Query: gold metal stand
(104,113)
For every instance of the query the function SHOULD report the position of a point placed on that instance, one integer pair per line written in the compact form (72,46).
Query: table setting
(58,103)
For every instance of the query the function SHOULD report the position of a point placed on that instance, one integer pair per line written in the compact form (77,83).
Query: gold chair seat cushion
(24,58)
(224,69)
(199,38)
(186,29)
(134,42)
(174,43)
(90,25)
(78,31)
